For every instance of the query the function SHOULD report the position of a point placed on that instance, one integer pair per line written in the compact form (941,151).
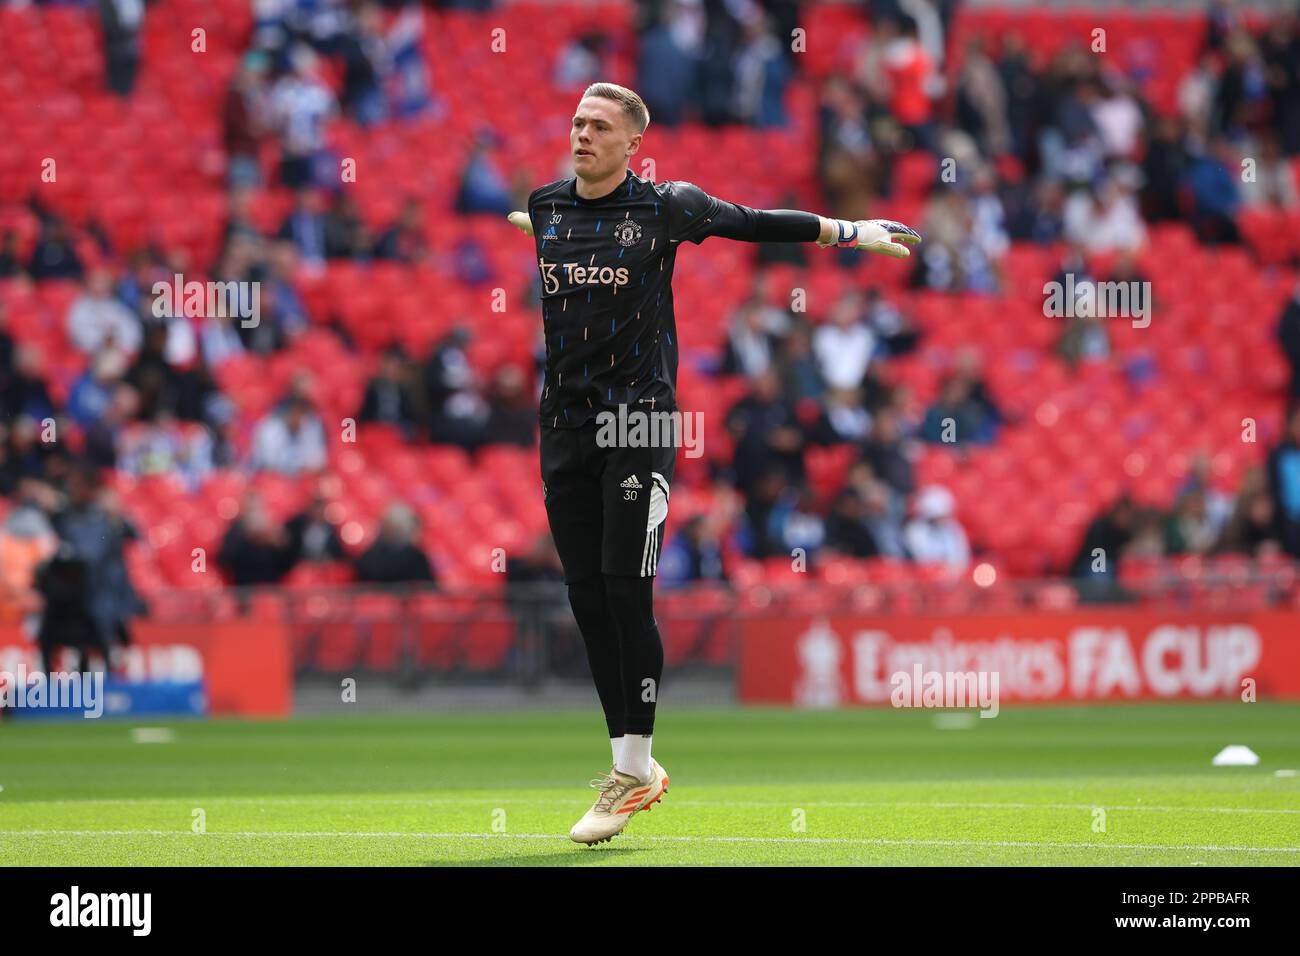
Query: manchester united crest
(627,233)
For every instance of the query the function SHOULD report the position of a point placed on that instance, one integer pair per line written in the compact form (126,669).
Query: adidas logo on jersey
(630,482)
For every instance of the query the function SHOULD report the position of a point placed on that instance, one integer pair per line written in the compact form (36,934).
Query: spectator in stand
(1274,181)
(780,518)
(1148,535)
(988,229)
(1284,483)
(120,21)
(956,418)
(876,390)
(1021,83)
(1035,212)
(847,532)
(290,441)
(670,51)
(1163,169)
(1188,529)
(1252,529)
(693,555)
(1117,117)
(1070,144)
(54,255)
(6,349)
(301,106)
(218,339)
(241,224)
(898,70)
(895,334)
(888,453)
(9,473)
(25,392)
(538,600)
(883,512)
(92,391)
(1281,51)
(1096,565)
(1105,220)
(751,337)
(470,262)
(1288,334)
(850,167)
(92,525)
(394,558)
(581,62)
(305,227)
(97,319)
(766,433)
(796,368)
(982,100)
(66,621)
(282,307)
(935,536)
(512,419)
(762,73)
(404,240)
(843,419)
(1211,179)
(483,187)
(407,83)
(365,66)
(1240,95)
(164,446)
(246,117)
(457,410)
(949,261)
(32,450)
(968,366)
(389,399)
(27,539)
(165,383)
(313,537)
(844,345)
(256,549)
(104,436)
(346,234)
(10,266)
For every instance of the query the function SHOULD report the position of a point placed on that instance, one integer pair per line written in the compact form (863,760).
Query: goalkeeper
(606,243)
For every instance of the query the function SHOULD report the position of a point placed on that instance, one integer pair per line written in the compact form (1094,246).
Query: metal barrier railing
(525,631)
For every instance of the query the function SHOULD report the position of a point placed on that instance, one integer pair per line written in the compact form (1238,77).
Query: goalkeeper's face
(601,139)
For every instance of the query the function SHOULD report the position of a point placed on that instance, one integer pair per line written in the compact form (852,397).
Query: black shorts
(607,506)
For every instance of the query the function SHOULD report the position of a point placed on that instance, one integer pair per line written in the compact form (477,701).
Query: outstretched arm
(884,236)
(694,215)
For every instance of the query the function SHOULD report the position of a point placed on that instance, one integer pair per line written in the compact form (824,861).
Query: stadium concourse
(370,208)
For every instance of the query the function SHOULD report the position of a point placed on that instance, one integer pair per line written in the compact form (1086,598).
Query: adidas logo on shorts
(630,482)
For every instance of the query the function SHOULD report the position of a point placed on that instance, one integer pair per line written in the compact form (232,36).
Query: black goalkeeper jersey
(607,298)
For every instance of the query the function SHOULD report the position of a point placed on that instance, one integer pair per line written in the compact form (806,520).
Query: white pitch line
(292,834)
(479,801)
(984,806)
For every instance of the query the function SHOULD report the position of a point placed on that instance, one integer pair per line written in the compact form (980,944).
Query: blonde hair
(634,107)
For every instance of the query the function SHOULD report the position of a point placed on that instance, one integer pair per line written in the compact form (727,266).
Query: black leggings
(616,617)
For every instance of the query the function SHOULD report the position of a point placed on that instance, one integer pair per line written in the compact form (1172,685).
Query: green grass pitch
(1117,785)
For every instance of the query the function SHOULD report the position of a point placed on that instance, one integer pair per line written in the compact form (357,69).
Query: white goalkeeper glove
(521,220)
(883,236)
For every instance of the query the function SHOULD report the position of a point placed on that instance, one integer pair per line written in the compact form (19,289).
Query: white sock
(635,756)
(616,747)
